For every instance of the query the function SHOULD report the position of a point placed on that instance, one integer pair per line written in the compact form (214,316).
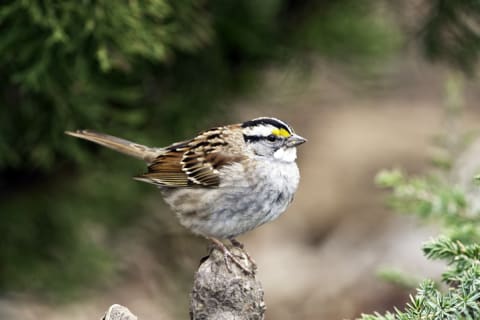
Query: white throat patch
(286,154)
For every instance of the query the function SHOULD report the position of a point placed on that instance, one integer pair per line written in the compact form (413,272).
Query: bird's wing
(192,163)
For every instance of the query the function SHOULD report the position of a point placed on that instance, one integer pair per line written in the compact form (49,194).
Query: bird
(225,181)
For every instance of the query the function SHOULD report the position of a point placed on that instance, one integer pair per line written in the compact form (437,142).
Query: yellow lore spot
(281,133)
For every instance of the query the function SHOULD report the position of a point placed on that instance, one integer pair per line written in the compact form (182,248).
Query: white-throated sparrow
(224,182)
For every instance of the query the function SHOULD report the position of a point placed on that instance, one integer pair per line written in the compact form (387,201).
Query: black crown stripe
(270,121)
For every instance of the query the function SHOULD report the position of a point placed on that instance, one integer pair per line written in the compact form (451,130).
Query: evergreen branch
(428,197)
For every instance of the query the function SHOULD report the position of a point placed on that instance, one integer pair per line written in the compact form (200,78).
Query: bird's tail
(121,145)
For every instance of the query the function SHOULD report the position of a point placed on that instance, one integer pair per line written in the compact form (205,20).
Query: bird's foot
(228,256)
(240,245)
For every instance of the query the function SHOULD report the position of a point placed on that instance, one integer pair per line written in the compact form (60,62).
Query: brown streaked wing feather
(166,170)
(193,163)
(202,167)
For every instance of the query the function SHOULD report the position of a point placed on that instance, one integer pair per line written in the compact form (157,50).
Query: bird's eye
(271,138)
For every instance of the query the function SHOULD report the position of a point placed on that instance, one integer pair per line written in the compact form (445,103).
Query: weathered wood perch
(222,294)
(217,293)
(118,312)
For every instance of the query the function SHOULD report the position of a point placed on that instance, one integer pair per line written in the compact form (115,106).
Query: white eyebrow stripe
(269,120)
(263,130)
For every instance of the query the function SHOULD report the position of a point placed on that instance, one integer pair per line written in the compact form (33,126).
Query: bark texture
(221,294)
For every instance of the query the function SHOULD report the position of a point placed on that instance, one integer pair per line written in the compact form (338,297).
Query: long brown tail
(121,145)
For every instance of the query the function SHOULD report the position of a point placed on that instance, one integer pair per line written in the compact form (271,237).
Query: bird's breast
(247,197)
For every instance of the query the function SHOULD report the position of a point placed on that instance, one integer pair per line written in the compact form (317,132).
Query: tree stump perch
(218,293)
(226,295)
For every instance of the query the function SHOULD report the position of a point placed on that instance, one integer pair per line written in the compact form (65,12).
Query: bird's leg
(240,245)
(228,255)
(236,243)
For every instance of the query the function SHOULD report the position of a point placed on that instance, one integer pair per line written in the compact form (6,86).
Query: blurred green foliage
(343,30)
(450,32)
(433,199)
(69,64)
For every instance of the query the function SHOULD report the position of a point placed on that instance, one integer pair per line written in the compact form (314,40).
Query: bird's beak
(295,140)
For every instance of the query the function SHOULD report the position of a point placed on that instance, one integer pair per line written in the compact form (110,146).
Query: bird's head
(271,137)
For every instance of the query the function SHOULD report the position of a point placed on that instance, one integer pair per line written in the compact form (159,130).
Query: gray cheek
(263,148)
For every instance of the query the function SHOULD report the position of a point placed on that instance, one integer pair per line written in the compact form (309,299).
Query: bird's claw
(229,256)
